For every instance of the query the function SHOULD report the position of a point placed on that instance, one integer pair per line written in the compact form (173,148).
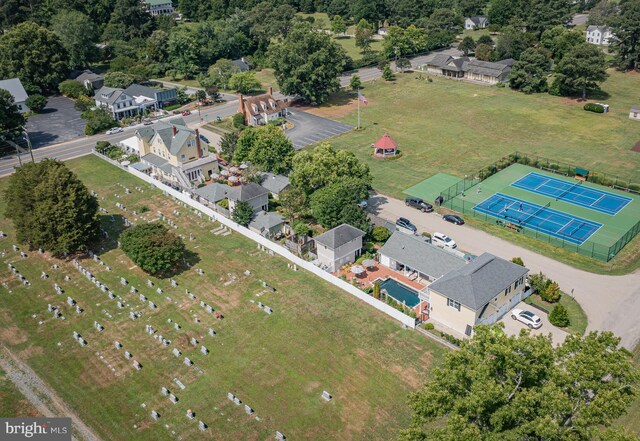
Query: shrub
(143,209)
(101,145)
(517,261)
(380,234)
(36,103)
(242,213)
(224,203)
(238,121)
(428,326)
(592,107)
(84,103)
(72,88)
(559,316)
(171,107)
(152,247)
(538,282)
(552,292)
(425,234)
(376,290)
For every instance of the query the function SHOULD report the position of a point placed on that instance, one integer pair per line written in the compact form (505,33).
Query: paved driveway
(309,129)
(513,327)
(58,122)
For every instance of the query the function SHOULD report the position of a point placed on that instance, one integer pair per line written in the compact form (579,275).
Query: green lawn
(349,45)
(318,338)
(321,18)
(577,317)
(12,403)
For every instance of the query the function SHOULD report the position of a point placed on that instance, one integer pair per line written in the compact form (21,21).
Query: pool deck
(380,272)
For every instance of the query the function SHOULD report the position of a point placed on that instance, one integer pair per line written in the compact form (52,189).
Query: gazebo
(385,147)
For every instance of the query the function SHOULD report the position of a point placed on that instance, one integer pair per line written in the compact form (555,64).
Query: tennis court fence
(591,248)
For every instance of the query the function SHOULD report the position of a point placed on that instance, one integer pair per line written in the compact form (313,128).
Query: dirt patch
(406,374)
(31,351)
(11,335)
(312,386)
(334,110)
(574,101)
(636,148)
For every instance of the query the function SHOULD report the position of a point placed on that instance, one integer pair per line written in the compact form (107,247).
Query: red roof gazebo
(385,146)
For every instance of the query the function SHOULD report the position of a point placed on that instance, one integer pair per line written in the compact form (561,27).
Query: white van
(443,240)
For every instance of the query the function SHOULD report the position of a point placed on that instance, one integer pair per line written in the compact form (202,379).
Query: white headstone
(164,391)
(326,395)
(248,410)
(204,350)
(212,332)
(187,361)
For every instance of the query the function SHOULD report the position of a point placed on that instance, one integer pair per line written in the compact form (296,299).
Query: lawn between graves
(318,338)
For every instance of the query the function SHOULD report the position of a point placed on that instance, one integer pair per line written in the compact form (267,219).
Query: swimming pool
(401,293)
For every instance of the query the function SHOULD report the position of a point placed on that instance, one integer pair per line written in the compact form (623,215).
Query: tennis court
(573,193)
(538,217)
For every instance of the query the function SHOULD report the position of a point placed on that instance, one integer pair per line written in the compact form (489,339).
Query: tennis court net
(531,216)
(568,190)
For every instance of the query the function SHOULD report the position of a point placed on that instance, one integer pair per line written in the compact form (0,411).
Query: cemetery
(134,371)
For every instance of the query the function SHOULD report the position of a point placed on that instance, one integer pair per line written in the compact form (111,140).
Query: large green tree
(511,43)
(500,387)
(314,169)
(35,55)
(602,13)
(118,79)
(221,72)
(582,68)
(129,20)
(308,63)
(502,11)
(529,73)
(51,208)
(78,35)
(266,147)
(540,15)
(336,204)
(242,213)
(244,82)
(560,40)
(626,28)
(11,120)
(183,51)
(338,25)
(98,120)
(152,247)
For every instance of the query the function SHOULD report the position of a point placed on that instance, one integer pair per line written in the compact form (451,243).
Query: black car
(406,223)
(419,204)
(454,219)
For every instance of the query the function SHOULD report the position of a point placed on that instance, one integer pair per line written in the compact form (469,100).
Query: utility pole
(358,128)
(26,135)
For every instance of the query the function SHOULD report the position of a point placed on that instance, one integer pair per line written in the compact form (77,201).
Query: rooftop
(339,236)
(214,192)
(247,192)
(263,220)
(385,142)
(274,183)
(15,88)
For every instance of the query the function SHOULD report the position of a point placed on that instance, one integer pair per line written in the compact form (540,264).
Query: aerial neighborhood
(320,220)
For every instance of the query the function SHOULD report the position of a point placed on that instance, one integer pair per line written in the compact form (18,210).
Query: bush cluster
(592,107)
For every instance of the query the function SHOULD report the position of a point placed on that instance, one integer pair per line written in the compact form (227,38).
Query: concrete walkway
(610,302)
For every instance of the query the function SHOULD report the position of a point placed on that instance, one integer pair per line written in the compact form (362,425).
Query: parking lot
(58,122)
(309,129)
(513,327)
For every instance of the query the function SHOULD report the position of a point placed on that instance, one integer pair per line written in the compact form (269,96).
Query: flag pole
(358,97)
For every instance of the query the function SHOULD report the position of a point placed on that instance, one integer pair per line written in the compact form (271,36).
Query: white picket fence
(278,249)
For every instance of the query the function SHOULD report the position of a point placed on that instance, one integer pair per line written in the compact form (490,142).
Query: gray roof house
(214,192)
(339,246)
(487,72)
(15,88)
(275,184)
(242,64)
(256,195)
(477,22)
(90,80)
(267,224)
(404,252)
(466,68)
(161,96)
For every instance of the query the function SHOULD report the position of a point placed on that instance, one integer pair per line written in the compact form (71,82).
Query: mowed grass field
(318,337)
(457,128)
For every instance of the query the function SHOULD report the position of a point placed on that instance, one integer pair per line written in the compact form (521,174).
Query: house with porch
(260,109)
(600,35)
(469,69)
(384,147)
(120,104)
(172,152)
(339,246)
(479,292)
(477,22)
(159,7)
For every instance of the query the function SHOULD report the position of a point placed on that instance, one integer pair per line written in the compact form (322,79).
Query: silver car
(526,317)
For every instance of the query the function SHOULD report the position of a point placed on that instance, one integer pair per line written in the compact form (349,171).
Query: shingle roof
(439,60)
(138,90)
(15,88)
(487,68)
(242,64)
(339,236)
(266,220)
(157,2)
(88,75)
(475,284)
(165,131)
(214,192)
(157,161)
(602,29)
(247,192)
(111,94)
(386,142)
(418,254)
(477,19)
(259,100)
(274,183)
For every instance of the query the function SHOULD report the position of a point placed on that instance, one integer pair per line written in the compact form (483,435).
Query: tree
(376,289)
(11,120)
(373,11)
(221,72)
(294,202)
(380,233)
(51,208)
(72,88)
(156,48)
(128,20)
(228,145)
(120,80)
(307,63)
(238,121)
(364,36)
(301,229)
(467,45)
(551,294)
(387,74)
(84,103)
(355,82)
(559,316)
(402,42)
(502,11)
(338,26)
(518,261)
(511,43)
(602,13)
(336,204)
(403,63)
(538,282)
(244,82)
(314,169)
(582,68)
(183,51)
(485,39)
(500,387)
(98,120)
(544,14)
(36,103)
(529,73)
(201,95)
(152,247)
(626,28)
(469,8)
(242,213)
(266,147)
(33,54)
(559,40)
(78,35)
(484,52)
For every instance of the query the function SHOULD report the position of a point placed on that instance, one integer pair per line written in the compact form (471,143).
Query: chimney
(270,90)
(199,153)
(240,104)
(174,130)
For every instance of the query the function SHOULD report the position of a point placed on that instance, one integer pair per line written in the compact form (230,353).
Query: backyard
(318,338)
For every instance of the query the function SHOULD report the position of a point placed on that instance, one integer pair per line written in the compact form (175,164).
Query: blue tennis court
(537,217)
(573,193)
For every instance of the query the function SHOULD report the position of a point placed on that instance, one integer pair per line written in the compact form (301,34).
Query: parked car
(454,219)
(204,138)
(443,240)
(363,204)
(406,224)
(526,317)
(419,204)
(186,112)
(114,130)
(147,122)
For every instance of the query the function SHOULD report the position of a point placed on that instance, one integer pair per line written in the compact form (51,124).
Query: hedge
(592,107)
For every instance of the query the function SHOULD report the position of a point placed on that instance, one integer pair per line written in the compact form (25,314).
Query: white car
(443,240)
(114,130)
(526,317)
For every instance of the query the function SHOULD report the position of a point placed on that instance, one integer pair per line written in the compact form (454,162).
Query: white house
(15,88)
(338,246)
(477,22)
(600,35)
(634,113)
(159,7)
(383,31)
(120,104)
